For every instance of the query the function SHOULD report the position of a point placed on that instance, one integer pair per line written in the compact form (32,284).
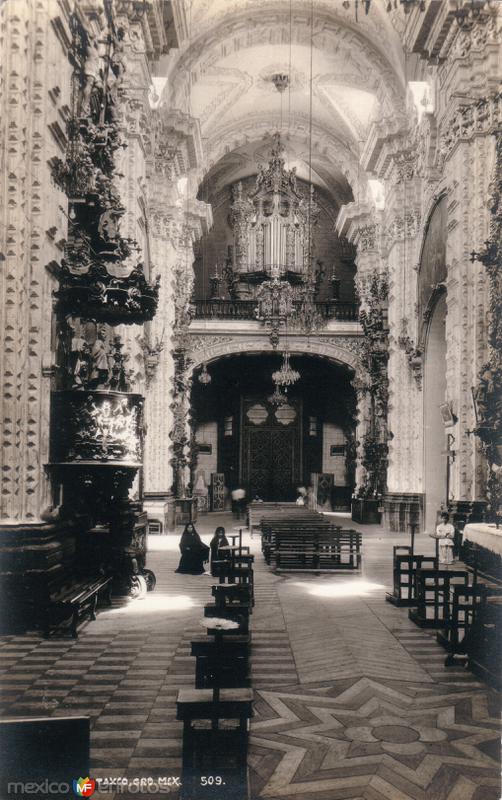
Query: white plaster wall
(207,433)
(434,430)
(333,435)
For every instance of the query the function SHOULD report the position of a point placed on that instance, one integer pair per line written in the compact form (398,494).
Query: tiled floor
(351,699)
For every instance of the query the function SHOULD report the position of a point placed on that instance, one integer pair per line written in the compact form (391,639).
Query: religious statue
(99,369)
(93,73)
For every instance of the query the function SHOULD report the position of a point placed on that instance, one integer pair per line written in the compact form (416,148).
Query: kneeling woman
(219,540)
(193,552)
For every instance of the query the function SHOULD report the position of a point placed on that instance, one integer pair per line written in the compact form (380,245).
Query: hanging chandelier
(285,375)
(204,376)
(277,398)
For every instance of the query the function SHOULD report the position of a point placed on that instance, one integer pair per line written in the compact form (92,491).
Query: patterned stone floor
(351,699)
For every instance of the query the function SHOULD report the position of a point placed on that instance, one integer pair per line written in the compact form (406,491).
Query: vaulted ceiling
(342,74)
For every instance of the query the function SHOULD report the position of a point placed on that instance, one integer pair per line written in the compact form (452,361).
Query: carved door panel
(271,449)
(217,491)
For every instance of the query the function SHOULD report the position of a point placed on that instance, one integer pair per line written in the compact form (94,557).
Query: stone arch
(434,395)
(432,273)
(205,349)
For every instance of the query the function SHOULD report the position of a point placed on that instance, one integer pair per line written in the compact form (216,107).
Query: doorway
(271,448)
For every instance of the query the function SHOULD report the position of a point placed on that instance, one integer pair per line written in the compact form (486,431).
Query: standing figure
(219,540)
(445,532)
(194,553)
(302,494)
(238,502)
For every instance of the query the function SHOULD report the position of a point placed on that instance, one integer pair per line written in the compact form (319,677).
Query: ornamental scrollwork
(373,292)
(488,393)
(89,283)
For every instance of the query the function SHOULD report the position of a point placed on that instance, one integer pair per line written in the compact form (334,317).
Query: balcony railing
(245,309)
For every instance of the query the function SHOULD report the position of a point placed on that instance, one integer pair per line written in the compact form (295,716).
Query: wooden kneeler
(215,739)
(228,660)
(433,587)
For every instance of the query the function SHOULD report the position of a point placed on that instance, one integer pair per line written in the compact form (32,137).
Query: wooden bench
(258,510)
(316,548)
(66,601)
(271,525)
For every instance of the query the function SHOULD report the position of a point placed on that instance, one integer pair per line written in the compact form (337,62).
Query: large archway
(435,464)
(245,439)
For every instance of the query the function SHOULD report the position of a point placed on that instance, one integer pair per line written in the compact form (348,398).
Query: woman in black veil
(219,540)
(193,552)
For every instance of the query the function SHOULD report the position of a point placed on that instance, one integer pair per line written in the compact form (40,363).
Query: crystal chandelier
(277,398)
(204,376)
(286,375)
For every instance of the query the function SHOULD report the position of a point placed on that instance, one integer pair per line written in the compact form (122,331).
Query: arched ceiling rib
(222,75)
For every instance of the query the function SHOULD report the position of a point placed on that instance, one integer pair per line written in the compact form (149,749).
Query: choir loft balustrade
(246,309)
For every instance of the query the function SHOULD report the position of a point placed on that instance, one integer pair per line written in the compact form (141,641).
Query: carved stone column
(390,155)
(34,91)
(176,220)
(403,501)
(32,228)
(157,481)
(362,226)
(455,146)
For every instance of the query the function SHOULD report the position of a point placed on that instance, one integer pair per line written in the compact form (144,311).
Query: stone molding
(341,349)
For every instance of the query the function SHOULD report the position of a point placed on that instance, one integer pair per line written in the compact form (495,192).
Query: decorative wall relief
(373,292)
(97,427)
(488,394)
(91,276)
(96,422)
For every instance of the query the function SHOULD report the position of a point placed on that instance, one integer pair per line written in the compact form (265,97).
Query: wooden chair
(215,730)
(432,594)
(464,602)
(225,664)
(215,740)
(405,568)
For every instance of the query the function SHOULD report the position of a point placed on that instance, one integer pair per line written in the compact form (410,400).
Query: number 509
(211,780)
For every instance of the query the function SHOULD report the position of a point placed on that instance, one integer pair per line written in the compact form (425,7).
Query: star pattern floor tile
(352,701)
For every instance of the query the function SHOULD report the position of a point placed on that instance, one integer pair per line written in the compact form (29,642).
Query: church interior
(251,382)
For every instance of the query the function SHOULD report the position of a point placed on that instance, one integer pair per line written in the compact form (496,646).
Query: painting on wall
(432,271)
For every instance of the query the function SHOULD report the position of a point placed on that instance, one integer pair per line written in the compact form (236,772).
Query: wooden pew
(270,525)
(66,601)
(257,510)
(315,547)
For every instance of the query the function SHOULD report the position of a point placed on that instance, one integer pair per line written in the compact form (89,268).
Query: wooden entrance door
(271,449)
